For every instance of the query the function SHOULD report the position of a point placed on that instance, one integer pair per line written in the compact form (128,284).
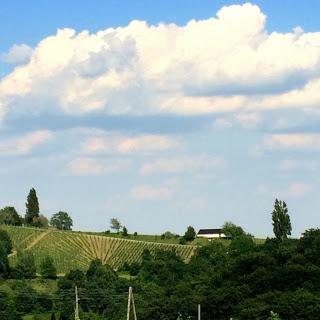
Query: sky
(163,114)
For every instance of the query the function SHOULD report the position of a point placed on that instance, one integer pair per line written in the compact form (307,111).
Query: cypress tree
(32,206)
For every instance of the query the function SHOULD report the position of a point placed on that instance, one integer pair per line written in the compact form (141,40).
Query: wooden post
(129,303)
(76,312)
(199,311)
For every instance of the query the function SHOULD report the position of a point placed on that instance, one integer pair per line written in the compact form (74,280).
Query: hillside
(72,250)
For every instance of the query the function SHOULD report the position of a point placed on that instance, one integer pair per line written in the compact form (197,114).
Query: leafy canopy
(61,220)
(281,220)
(9,215)
(115,224)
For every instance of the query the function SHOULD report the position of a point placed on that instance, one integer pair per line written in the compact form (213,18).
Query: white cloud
(299,189)
(87,166)
(225,63)
(18,54)
(304,141)
(222,123)
(24,144)
(150,192)
(182,164)
(104,142)
(248,120)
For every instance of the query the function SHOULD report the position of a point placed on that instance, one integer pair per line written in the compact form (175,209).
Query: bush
(25,267)
(47,268)
(9,215)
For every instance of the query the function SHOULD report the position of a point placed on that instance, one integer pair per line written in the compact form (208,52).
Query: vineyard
(71,250)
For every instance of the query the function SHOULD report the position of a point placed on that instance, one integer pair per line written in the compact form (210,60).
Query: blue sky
(161,113)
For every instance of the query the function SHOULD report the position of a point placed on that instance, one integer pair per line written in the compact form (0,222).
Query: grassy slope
(72,250)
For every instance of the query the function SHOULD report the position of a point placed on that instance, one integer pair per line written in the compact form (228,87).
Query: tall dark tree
(190,234)
(4,262)
(32,207)
(6,241)
(61,220)
(125,231)
(5,249)
(281,220)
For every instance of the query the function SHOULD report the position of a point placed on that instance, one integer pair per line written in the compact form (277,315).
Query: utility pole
(131,301)
(199,311)
(76,312)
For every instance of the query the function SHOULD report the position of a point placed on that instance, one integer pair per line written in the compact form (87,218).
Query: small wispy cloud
(128,144)
(299,189)
(87,166)
(24,144)
(151,192)
(182,164)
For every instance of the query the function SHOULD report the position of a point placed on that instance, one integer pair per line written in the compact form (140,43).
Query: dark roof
(210,231)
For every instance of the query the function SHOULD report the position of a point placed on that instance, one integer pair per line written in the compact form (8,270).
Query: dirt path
(37,239)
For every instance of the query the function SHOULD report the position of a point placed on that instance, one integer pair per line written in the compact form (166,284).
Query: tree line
(9,215)
(242,280)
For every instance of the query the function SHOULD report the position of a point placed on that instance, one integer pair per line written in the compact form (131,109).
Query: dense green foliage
(61,220)
(115,224)
(32,207)
(47,268)
(70,250)
(281,220)
(231,230)
(238,278)
(25,267)
(125,231)
(9,215)
(190,234)
(242,281)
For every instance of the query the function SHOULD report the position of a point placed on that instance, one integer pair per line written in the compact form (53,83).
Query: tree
(125,231)
(231,230)
(62,221)
(281,220)
(47,268)
(40,222)
(25,267)
(115,224)
(32,207)
(190,234)
(4,262)
(5,241)
(5,249)
(9,215)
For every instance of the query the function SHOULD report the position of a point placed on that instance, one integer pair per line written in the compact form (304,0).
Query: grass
(140,237)
(75,250)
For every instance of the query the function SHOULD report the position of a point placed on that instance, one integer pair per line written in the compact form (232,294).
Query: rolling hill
(71,250)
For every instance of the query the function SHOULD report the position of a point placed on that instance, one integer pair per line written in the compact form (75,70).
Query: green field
(71,250)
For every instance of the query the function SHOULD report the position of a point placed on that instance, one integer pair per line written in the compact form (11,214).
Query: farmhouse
(211,234)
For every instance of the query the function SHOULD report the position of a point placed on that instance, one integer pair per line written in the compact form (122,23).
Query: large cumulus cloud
(225,63)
